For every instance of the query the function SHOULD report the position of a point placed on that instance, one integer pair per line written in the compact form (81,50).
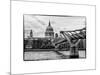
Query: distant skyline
(38,24)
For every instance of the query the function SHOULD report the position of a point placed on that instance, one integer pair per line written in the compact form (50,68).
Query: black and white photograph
(53,37)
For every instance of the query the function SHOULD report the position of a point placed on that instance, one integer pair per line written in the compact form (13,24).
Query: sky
(38,23)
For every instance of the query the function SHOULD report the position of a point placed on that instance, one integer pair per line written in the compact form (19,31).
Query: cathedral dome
(49,31)
(49,28)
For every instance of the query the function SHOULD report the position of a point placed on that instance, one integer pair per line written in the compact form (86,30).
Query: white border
(19,66)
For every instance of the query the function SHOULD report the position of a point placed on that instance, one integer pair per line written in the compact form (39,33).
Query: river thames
(50,55)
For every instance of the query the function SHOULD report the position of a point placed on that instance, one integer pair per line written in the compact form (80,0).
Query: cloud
(39,20)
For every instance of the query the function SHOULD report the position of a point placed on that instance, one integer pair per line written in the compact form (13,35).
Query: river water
(49,55)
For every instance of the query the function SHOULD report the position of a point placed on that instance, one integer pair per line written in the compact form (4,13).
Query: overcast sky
(39,23)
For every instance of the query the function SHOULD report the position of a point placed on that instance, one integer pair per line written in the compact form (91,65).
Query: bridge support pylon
(74,53)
